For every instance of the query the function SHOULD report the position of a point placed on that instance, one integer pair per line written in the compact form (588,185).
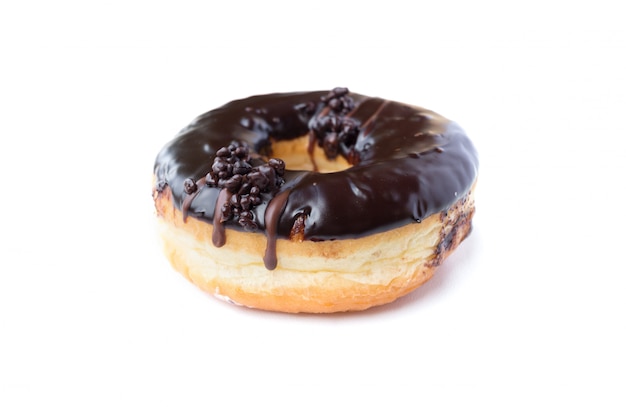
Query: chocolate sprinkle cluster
(339,101)
(233,171)
(334,130)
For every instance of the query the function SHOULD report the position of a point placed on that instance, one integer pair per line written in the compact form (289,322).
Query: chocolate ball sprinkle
(190,186)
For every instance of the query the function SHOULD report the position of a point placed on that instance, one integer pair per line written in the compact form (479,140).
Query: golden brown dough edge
(312,277)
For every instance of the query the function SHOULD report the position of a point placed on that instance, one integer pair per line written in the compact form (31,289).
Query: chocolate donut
(401,165)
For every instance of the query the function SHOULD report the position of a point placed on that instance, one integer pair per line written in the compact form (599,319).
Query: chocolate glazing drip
(272,214)
(219,232)
(407,163)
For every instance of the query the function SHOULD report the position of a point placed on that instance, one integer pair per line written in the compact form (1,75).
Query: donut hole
(296,157)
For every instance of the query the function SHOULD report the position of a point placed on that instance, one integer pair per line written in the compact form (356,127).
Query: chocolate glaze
(410,163)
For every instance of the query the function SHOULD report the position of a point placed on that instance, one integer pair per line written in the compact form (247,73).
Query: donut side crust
(312,277)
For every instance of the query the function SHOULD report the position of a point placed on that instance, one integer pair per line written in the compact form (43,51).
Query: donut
(314,202)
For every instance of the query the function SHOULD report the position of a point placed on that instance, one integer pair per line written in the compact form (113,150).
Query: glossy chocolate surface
(410,163)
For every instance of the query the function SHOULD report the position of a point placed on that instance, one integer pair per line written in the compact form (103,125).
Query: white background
(529,311)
